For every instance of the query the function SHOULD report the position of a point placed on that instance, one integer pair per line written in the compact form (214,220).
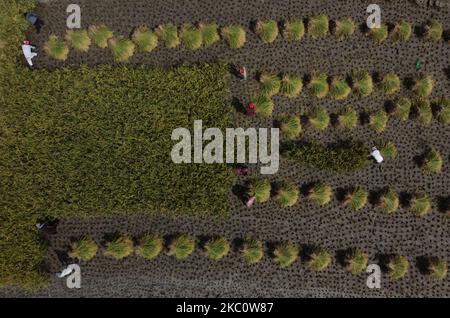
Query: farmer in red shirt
(250,110)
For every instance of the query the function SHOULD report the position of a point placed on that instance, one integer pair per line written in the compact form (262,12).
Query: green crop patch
(83,142)
(345,156)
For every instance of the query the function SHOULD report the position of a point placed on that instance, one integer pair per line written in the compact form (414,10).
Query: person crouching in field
(28,53)
(34,20)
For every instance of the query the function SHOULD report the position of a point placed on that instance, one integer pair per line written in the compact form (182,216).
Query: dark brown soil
(332,226)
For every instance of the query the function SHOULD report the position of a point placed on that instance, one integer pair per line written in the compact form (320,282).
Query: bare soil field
(331,226)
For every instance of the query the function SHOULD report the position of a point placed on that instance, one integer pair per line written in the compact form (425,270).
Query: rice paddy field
(85,143)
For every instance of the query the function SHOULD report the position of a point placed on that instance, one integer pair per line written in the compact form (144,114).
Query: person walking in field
(27,50)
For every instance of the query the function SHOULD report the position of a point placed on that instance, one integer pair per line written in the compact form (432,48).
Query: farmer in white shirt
(27,52)
(376,154)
